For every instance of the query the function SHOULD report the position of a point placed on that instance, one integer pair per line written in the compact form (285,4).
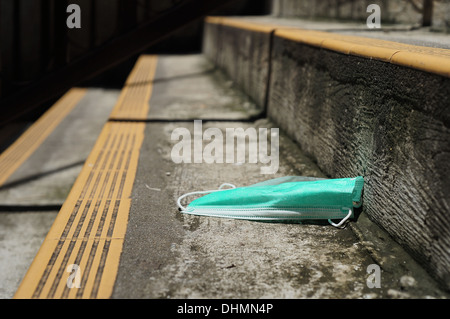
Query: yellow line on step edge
(80,255)
(16,154)
(428,59)
(134,97)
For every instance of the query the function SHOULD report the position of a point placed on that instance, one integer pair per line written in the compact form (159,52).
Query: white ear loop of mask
(338,225)
(202,192)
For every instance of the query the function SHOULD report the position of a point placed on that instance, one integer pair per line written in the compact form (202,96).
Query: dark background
(35,43)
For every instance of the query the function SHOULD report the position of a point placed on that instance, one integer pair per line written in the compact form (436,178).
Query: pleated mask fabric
(285,199)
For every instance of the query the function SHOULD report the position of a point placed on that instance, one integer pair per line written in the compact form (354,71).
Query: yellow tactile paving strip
(428,59)
(133,101)
(16,154)
(90,228)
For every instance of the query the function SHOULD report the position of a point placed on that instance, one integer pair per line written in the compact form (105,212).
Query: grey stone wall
(243,55)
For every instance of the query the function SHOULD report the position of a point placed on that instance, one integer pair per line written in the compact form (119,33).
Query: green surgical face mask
(286,199)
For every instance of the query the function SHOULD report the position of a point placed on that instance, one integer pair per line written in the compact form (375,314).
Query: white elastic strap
(342,221)
(202,192)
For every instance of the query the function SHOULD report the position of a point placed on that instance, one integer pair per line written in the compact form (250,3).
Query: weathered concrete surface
(21,235)
(31,197)
(357,116)
(189,87)
(167,254)
(243,55)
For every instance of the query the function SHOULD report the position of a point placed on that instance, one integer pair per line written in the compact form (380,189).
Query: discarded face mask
(285,199)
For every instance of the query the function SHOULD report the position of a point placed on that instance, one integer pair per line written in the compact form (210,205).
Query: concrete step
(357,103)
(167,254)
(120,223)
(38,171)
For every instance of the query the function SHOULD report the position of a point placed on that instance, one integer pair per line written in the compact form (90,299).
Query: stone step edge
(427,59)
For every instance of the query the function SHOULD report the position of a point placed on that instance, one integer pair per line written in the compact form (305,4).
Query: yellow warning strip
(15,155)
(133,100)
(428,59)
(80,255)
(242,24)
